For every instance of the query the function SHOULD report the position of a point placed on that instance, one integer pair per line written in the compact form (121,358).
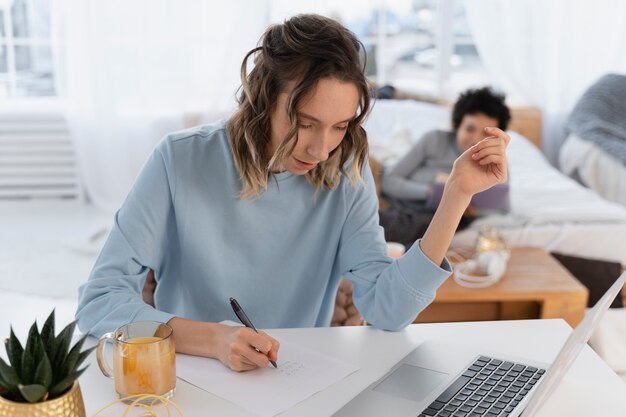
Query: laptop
(493,198)
(448,379)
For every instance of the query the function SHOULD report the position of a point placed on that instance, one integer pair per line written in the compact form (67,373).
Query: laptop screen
(572,347)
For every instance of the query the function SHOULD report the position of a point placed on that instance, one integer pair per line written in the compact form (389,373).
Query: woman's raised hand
(482,165)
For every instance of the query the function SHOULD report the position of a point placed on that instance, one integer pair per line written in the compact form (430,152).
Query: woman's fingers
(494,131)
(244,357)
(492,159)
(491,149)
(273,352)
(498,140)
(489,143)
(260,341)
(241,364)
(253,355)
(247,349)
(237,360)
(478,156)
(496,164)
(257,347)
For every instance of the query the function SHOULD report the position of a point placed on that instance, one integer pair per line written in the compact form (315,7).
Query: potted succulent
(41,377)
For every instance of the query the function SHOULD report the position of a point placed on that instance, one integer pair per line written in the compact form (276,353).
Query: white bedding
(551,210)
(595,168)
(548,209)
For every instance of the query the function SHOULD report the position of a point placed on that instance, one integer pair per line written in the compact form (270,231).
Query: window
(419,46)
(26,65)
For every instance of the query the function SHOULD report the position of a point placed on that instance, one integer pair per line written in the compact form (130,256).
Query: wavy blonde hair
(292,57)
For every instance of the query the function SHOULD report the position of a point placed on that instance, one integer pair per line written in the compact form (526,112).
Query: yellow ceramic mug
(144,359)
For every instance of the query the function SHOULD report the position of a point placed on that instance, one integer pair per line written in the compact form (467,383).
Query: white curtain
(549,52)
(133,71)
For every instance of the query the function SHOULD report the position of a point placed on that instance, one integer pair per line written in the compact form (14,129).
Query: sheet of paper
(266,392)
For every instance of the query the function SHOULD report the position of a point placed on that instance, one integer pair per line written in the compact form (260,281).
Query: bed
(552,211)
(548,209)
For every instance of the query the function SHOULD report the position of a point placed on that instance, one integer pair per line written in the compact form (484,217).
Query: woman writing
(272,207)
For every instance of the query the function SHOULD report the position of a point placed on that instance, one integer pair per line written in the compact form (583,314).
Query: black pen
(243,318)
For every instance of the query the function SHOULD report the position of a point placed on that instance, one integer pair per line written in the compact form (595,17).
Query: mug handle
(102,362)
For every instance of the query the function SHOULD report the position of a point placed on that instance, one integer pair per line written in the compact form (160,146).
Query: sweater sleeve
(137,243)
(397,183)
(388,293)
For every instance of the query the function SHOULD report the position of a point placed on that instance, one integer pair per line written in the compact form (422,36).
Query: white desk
(590,380)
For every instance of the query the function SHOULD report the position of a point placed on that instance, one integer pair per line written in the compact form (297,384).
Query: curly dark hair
(482,100)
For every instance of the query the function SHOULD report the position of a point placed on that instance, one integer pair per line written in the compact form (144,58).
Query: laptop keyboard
(488,388)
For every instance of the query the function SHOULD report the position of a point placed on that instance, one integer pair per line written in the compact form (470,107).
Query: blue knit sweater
(281,255)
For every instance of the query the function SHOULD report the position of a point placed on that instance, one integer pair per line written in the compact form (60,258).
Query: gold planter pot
(68,405)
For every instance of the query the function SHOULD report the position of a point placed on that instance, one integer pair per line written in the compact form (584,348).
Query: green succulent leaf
(72,363)
(47,335)
(45,367)
(63,385)
(72,357)
(29,357)
(43,374)
(15,352)
(8,377)
(84,355)
(62,342)
(33,392)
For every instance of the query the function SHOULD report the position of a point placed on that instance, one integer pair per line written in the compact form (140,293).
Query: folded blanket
(600,115)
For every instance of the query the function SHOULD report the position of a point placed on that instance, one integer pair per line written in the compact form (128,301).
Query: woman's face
(323,117)
(472,129)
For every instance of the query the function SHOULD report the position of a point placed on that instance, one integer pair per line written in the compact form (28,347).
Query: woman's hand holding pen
(242,349)
(235,346)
